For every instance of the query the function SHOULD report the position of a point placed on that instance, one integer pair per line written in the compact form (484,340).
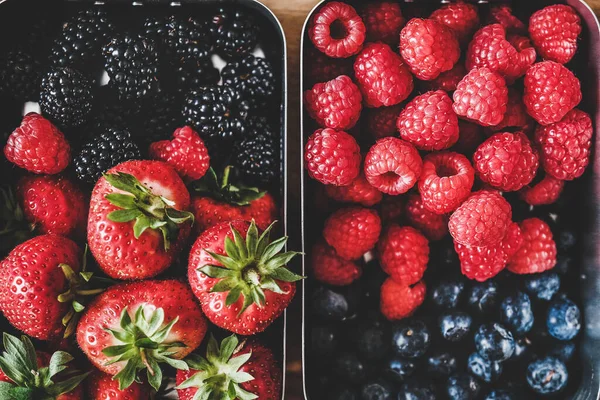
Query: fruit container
(586,281)
(14,14)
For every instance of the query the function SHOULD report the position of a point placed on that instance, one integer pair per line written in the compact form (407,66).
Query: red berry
(332,157)
(334,104)
(358,191)
(538,251)
(481,97)
(400,301)
(503,15)
(382,76)
(381,122)
(403,253)
(337,30)
(434,226)
(461,17)
(393,166)
(512,240)
(447,80)
(554,31)
(352,231)
(446,181)
(482,220)
(565,145)
(516,115)
(469,137)
(329,268)
(383,21)
(428,122)
(481,263)
(322,68)
(392,208)
(519,42)
(428,47)
(38,146)
(546,191)
(506,161)
(551,91)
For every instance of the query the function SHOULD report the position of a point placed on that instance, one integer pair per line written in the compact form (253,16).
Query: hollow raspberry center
(338,30)
(445,171)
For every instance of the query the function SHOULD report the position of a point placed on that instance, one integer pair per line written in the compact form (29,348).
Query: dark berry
(462,387)
(257,155)
(192,74)
(234,32)
(494,342)
(410,338)
(447,294)
(564,319)
(455,325)
(252,76)
(547,375)
(483,297)
(347,366)
(180,38)
(522,347)
(442,364)
(543,286)
(566,240)
(499,394)
(372,340)
(323,340)
(398,369)
(564,351)
(486,370)
(20,76)
(329,305)
(416,391)
(160,117)
(516,313)
(377,390)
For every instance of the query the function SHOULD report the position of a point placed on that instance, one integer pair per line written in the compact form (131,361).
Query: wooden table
(292,14)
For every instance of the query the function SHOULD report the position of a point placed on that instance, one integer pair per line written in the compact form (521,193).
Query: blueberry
(487,371)
(494,342)
(349,367)
(447,294)
(564,351)
(323,340)
(373,340)
(455,326)
(410,338)
(442,364)
(566,240)
(547,375)
(543,286)
(516,313)
(417,391)
(398,369)
(376,390)
(343,393)
(329,305)
(462,387)
(499,394)
(564,319)
(483,297)
(522,345)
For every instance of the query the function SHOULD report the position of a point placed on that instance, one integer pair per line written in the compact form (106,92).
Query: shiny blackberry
(66,97)
(252,76)
(257,155)
(179,37)
(103,152)
(19,76)
(234,32)
(132,65)
(190,74)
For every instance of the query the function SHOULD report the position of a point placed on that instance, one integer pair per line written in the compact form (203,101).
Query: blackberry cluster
(20,76)
(160,119)
(257,154)
(103,152)
(195,73)
(234,32)
(182,38)
(252,76)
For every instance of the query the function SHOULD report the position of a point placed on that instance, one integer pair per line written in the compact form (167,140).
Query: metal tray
(587,207)
(272,43)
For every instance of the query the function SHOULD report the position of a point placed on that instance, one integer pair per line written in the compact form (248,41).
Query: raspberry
(428,47)
(519,42)
(38,146)
(469,137)
(322,68)
(516,115)
(554,31)
(329,268)
(512,240)
(461,17)
(381,122)
(538,251)
(481,263)
(551,91)
(352,231)
(503,15)
(482,220)
(428,122)
(337,30)
(446,181)
(481,97)
(447,80)
(383,21)
(400,301)
(546,191)
(565,145)
(382,76)
(334,104)
(489,48)
(358,191)
(392,208)
(393,166)
(332,157)
(506,161)
(403,253)
(433,226)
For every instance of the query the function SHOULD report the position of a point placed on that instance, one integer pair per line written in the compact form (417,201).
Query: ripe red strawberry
(428,47)
(428,122)
(502,14)
(446,181)
(249,366)
(516,114)
(482,220)
(434,226)
(393,166)
(359,191)
(352,231)
(322,68)
(461,17)
(332,157)
(403,253)
(382,76)
(329,268)
(538,251)
(546,191)
(565,145)
(481,97)
(144,324)
(391,209)
(381,122)
(554,31)
(506,161)
(447,80)
(334,104)
(240,278)
(138,220)
(53,205)
(337,30)
(399,301)
(551,91)
(186,153)
(38,146)
(383,21)
(101,386)
(470,136)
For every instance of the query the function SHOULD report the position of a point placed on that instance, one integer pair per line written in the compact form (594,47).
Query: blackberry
(256,156)
(81,39)
(109,111)
(160,119)
(234,33)
(19,76)
(66,97)
(252,76)
(103,152)
(132,65)
(180,38)
(195,73)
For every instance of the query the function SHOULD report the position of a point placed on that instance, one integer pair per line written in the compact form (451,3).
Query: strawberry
(101,386)
(328,267)
(245,370)
(138,220)
(136,326)
(239,276)
(399,301)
